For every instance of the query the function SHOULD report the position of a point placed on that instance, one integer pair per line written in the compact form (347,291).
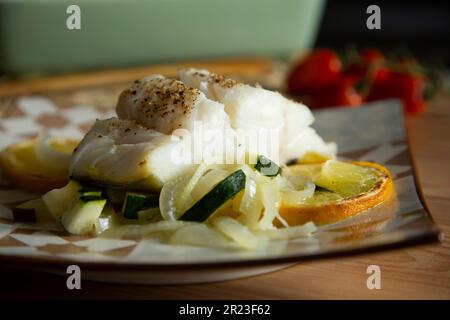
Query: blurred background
(115,33)
(412,43)
(423,27)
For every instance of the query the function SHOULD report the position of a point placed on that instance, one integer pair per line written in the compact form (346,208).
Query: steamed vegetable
(135,202)
(212,201)
(59,200)
(82,217)
(267,167)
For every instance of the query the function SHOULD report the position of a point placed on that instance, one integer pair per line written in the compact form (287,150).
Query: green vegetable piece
(82,217)
(221,193)
(90,194)
(135,202)
(267,167)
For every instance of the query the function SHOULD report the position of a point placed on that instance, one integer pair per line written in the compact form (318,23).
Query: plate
(373,132)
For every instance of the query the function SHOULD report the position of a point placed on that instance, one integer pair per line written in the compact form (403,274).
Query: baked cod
(140,148)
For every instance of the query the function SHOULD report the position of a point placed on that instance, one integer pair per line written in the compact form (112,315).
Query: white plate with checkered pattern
(372,133)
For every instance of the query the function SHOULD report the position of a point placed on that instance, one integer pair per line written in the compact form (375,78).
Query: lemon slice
(323,197)
(347,179)
(310,171)
(312,157)
(344,190)
(25,169)
(54,152)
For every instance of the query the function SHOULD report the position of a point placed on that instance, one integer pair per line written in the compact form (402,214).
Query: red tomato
(340,93)
(319,69)
(381,75)
(407,87)
(371,55)
(369,58)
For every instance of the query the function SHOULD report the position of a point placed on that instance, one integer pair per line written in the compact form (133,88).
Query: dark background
(422,27)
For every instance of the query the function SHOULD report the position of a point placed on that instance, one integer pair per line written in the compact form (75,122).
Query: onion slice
(292,197)
(141,230)
(167,198)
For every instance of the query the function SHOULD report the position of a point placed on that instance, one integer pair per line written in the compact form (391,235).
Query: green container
(118,33)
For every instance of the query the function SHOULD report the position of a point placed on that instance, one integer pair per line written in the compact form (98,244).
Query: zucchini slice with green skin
(89,190)
(267,167)
(82,217)
(214,199)
(89,195)
(135,202)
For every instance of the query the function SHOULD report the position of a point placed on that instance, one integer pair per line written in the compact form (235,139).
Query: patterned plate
(374,132)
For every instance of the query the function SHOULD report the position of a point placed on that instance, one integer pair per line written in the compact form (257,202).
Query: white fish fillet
(137,149)
(124,153)
(252,108)
(167,104)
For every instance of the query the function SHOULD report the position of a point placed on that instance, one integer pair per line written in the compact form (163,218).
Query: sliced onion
(281,220)
(207,182)
(199,234)
(239,233)
(251,203)
(293,197)
(271,202)
(141,230)
(177,195)
(169,193)
(301,231)
(184,199)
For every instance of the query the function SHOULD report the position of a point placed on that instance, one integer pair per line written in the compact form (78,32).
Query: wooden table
(413,273)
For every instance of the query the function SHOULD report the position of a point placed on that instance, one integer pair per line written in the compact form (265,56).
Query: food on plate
(124,153)
(40,164)
(164,105)
(154,109)
(342,191)
(251,107)
(325,79)
(134,175)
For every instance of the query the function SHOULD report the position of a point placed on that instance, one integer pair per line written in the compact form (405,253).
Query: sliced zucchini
(82,217)
(108,219)
(135,202)
(214,199)
(91,194)
(267,167)
(59,200)
(33,211)
(88,190)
